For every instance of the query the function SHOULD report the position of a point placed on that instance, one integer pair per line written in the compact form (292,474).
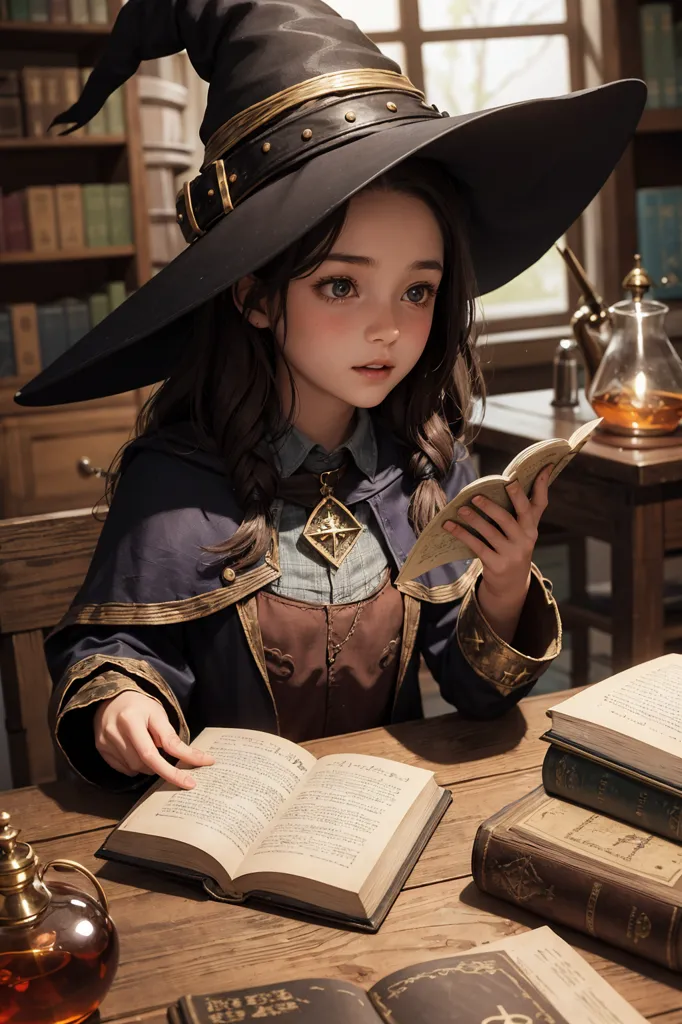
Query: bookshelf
(653,159)
(40,449)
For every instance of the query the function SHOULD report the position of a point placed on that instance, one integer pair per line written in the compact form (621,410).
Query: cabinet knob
(86,468)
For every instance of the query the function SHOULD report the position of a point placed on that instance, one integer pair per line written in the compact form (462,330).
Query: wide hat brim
(527,171)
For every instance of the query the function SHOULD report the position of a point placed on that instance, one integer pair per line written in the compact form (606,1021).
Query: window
(474,54)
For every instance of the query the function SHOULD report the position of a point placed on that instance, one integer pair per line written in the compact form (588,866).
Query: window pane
(472,74)
(542,289)
(435,14)
(374,16)
(396,52)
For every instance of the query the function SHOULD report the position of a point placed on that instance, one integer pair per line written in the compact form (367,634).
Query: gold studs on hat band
(351,116)
(306,134)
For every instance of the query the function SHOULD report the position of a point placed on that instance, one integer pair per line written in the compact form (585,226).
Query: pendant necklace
(332,529)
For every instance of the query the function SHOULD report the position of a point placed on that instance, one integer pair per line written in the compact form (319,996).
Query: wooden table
(630,498)
(175,941)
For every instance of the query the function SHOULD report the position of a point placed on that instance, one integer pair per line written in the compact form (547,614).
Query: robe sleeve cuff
(75,701)
(537,640)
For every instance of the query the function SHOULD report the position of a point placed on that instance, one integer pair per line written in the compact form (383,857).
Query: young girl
(317,388)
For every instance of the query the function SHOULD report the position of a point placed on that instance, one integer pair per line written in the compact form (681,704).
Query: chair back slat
(43,560)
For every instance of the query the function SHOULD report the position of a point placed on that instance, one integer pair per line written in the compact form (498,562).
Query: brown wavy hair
(226,383)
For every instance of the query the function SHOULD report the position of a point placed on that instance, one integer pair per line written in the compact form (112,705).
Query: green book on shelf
(99,14)
(118,208)
(7,364)
(19,10)
(39,10)
(77,320)
(114,114)
(116,292)
(95,212)
(677,32)
(80,14)
(648,31)
(97,125)
(52,330)
(98,304)
(665,46)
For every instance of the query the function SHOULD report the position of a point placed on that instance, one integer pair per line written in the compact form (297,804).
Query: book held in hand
(436,546)
(522,979)
(335,837)
(585,870)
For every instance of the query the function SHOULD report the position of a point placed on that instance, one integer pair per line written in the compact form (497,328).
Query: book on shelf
(622,744)
(576,867)
(114,113)
(7,365)
(19,10)
(32,82)
(97,125)
(77,316)
(659,234)
(70,216)
(11,115)
(99,308)
(59,12)
(116,294)
(79,12)
(39,10)
(15,222)
(532,976)
(98,12)
(53,331)
(42,217)
(119,213)
(25,339)
(95,214)
(334,838)
(659,40)
(435,546)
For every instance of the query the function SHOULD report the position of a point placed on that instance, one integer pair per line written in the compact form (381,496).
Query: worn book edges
(334,837)
(535,976)
(587,871)
(435,546)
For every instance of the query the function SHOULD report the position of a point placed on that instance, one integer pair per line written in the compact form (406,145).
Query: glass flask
(638,385)
(58,945)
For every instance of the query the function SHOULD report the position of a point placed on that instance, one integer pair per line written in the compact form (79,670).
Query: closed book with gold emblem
(591,872)
(532,978)
(334,837)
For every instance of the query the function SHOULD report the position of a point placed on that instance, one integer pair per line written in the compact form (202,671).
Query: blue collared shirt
(306,575)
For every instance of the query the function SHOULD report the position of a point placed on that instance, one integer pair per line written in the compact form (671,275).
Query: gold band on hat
(254,117)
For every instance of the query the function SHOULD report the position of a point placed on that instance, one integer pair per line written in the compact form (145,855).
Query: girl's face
(360,322)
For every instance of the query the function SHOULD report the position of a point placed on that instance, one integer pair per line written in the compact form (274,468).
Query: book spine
(77,320)
(97,125)
(39,10)
(670,235)
(11,120)
(618,913)
(677,32)
(15,224)
(116,293)
(26,340)
(118,209)
(4,10)
(52,332)
(99,13)
(114,112)
(99,307)
(18,10)
(36,123)
(583,781)
(52,94)
(648,240)
(95,215)
(59,12)
(70,216)
(42,217)
(7,367)
(648,34)
(78,9)
(666,55)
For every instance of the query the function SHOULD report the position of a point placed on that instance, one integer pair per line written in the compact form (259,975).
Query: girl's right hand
(131,727)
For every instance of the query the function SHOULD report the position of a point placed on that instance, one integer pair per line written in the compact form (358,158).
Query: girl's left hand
(506,563)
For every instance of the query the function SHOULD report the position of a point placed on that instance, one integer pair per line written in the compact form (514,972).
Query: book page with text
(340,821)
(234,800)
(644,702)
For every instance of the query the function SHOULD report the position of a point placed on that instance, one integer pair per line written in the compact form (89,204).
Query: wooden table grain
(629,498)
(175,941)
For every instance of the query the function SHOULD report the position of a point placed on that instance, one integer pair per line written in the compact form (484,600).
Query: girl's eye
(419,294)
(335,288)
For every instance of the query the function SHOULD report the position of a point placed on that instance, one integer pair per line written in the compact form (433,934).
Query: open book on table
(631,721)
(335,837)
(530,978)
(436,546)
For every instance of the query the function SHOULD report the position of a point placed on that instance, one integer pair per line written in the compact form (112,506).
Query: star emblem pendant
(332,529)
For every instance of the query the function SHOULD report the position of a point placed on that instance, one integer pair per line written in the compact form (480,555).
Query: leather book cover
(15,223)
(70,216)
(638,913)
(26,340)
(620,766)
(59,12)
(34,107)
(42,217)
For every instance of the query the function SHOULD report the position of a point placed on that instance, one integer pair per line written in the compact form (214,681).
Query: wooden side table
(629,497)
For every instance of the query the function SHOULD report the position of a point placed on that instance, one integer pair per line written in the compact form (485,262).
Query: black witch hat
(304,111)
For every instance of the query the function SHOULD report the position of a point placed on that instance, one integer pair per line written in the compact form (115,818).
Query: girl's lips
(371,374)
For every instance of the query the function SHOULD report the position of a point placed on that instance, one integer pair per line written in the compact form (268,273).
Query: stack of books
(32,336)
(598,847)
(60,12)
(659,238)
(45,218)
(32,97)
(661,36)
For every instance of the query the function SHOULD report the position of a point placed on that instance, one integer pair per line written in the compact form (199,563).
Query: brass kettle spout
(589,319)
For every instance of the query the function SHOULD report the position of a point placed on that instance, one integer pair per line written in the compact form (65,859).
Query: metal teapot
(633,375)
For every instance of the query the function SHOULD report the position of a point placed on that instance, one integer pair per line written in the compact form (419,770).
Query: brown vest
(332,667)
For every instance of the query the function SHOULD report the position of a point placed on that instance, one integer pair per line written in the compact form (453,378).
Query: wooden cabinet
(41,457)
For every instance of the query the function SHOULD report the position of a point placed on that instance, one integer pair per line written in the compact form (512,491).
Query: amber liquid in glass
(57,970)
(657,411)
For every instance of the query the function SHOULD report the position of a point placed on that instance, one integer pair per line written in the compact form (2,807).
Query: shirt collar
(295,450)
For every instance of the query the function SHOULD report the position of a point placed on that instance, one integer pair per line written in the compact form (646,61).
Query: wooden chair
(43,560)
